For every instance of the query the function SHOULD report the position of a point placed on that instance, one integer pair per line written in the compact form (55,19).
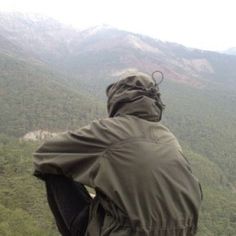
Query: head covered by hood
(135,94)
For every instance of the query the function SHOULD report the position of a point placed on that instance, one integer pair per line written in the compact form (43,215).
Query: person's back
(144,183)
(144,186)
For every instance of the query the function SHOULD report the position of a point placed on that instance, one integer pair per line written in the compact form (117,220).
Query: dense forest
(52,84)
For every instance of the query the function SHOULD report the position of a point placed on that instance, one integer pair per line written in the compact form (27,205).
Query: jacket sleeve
(73,154)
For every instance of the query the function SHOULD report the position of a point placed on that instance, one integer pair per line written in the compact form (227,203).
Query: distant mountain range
(106,52)
(53,78)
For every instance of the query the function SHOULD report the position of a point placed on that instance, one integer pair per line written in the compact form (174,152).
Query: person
(144,185)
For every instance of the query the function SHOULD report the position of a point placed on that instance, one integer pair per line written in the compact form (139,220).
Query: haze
(208,25)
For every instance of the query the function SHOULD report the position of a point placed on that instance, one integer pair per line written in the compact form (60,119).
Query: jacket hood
(135,94)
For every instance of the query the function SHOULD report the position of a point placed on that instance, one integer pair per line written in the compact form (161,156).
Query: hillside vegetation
(32,97)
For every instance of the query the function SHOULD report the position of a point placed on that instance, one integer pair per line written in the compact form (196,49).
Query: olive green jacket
(142,180)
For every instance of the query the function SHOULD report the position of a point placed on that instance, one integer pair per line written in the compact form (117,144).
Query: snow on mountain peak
(138,43)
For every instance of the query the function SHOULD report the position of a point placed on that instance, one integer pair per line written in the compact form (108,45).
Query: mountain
(101,52)
(53,78)
(34,97)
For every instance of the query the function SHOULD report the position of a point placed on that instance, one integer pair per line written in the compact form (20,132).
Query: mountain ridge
(67,49)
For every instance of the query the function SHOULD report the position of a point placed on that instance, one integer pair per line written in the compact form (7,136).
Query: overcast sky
(204,24)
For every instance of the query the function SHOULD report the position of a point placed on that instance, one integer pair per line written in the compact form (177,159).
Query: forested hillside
(53,78)
(33,97)
(22,201)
